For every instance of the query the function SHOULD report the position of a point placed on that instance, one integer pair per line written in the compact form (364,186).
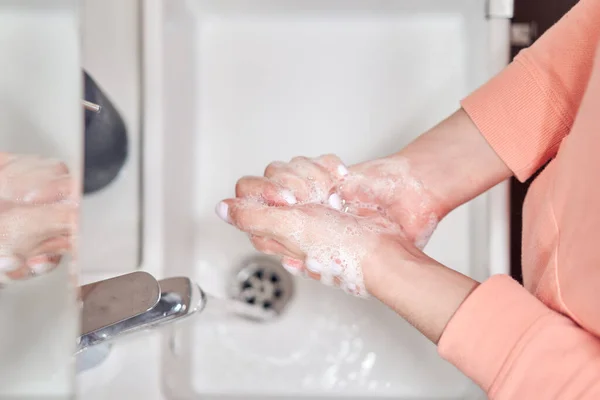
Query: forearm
(454,161)
(421,290)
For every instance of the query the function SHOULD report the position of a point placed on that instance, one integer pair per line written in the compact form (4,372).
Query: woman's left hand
(320,242)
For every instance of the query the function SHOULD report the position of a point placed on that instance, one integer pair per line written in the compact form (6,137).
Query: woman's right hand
(384,187)
(38,209)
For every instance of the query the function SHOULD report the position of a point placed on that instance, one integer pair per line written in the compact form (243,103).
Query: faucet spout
(178,298)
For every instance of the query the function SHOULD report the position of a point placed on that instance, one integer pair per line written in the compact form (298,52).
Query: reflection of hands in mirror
(38,208)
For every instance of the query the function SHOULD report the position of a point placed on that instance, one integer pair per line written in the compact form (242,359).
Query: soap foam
(384,192)
(339,246)
(387,186)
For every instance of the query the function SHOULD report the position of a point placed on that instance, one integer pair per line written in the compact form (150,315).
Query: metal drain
(262,284)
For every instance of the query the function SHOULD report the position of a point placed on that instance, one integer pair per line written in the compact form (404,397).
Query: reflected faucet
(128,304)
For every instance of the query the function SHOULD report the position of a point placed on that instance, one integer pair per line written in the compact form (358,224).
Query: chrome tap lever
(117,299)
(133,303)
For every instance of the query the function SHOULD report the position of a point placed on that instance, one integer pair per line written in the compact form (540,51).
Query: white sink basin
(232,85)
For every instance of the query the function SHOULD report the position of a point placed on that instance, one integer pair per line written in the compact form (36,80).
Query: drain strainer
(263,283)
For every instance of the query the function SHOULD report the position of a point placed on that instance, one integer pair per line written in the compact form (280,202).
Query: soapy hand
(301,181)
(328,202)
(316,240)
(379,187)
(37,214)
(389,188)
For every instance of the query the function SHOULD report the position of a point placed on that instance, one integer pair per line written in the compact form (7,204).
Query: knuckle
(248,185)
(235,215)
(241,186)
(274,168)
(261,244)
(300,159)
(331,159)
(241,218)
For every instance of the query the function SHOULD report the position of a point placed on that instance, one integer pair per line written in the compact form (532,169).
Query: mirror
(41,155)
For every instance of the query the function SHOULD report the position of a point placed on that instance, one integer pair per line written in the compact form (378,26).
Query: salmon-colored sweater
(543,341)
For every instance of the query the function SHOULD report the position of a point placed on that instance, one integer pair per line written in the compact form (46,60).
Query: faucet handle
(117,299)
(135,302)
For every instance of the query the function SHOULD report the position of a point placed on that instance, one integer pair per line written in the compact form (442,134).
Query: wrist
(454,161)
(424,292)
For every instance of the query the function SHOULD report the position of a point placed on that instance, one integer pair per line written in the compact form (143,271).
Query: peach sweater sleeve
(526,110)
(515,347)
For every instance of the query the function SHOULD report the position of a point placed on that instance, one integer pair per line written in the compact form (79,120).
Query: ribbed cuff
(487,326)
(518,118)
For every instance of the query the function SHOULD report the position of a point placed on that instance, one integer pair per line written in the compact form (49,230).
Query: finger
(328,272)
(25,228)
(336,168)
(256,218)
(270,246)
(308,168)
(293,265)
(10,266)
(285,175)
(37,267)
(275,168)
(301,188)
(35,181)
(20,164)
(55,246)
(265,189)
(52,191)
(38,264)
(333,164)
(21,273)
(360,190)
(317,180)
(312,275)
(43,264)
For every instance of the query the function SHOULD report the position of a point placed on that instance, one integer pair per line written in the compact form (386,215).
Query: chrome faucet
(128,304)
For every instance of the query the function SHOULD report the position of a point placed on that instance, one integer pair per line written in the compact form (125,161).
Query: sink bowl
(237,84)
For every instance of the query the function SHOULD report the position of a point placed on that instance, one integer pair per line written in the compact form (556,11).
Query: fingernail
(289,197)
(342,170)
(313,266)
(8,264)
(335,201)
(291,269)
(222,211)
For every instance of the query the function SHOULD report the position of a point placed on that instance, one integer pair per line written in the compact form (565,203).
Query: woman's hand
(381,188)
(388,187)
(330,217)
(364,255)
(316,240)
(413,189)
(38,210)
